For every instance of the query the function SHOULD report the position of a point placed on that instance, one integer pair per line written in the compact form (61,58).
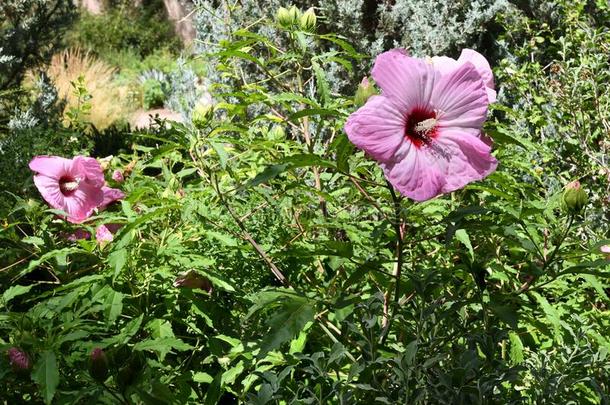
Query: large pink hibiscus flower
(425,127)
(75,186)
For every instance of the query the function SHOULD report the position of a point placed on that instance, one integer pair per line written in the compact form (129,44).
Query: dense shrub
(123,28)
(261,258)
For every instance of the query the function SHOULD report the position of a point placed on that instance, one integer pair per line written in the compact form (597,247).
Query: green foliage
(30,31)
(142,31)
(154,94)
(322,285)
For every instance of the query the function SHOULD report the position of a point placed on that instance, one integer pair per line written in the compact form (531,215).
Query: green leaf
(286,323)
(307,112)
(46,375)
(343,150)
(221,152)
(516,348)
(201,377)
(113,306)
(15,291)
(462,236)
(162,344)
(321,83)
(117,260)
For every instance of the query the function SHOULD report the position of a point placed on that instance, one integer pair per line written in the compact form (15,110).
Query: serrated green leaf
(15,291)
(46,375)
(516,348)
(462,236)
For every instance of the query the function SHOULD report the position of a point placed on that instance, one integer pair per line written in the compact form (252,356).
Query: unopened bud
(308,20)
(117,176)
(105,162)
(19,360)
(98,365)
(295,15)
(605,249)
(277,133)
(202,113)
(283,17)
(364,92)
(574,197)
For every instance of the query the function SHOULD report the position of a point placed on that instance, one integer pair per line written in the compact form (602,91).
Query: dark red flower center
(68,185)
(421,126)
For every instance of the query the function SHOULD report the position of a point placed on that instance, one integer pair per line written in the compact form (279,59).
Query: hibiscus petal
(461,100)
(408,81)
(414,176)
(444,64)
(378,128)
(110,195)
(51,166)
(50,191)
(482,66)
(81,203)
(92,170)
(465,158)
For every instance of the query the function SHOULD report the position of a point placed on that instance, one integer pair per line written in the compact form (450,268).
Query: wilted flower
(425,127)
(103,234)
(78,235)
(117,176)
(574,197)
(75,186)
(19,359)
(192,279)
(98,365)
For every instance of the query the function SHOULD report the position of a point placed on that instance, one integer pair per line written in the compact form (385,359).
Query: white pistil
(424,127)
(70,185)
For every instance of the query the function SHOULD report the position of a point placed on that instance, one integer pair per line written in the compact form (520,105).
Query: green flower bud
(295,15)
(308,20)
(364,91)
(283,17)
(574,197)
(98,365)
(277,133)
(202,113)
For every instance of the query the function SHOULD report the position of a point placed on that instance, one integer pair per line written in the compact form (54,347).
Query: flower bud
(19,360)
(574,197)
(605,249)
(364,91)
(295,15)
(308,20)
(283,17)
(277,133)
(98,365)
(202,113)
(117,176)
(105,162)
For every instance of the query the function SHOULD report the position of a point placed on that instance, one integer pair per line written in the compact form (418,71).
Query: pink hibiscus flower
(425,127)
(71,185)
(75,186)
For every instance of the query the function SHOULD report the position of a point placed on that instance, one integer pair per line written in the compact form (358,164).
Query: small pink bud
(605,249)
(117,176)
(19,359)
(98,365)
